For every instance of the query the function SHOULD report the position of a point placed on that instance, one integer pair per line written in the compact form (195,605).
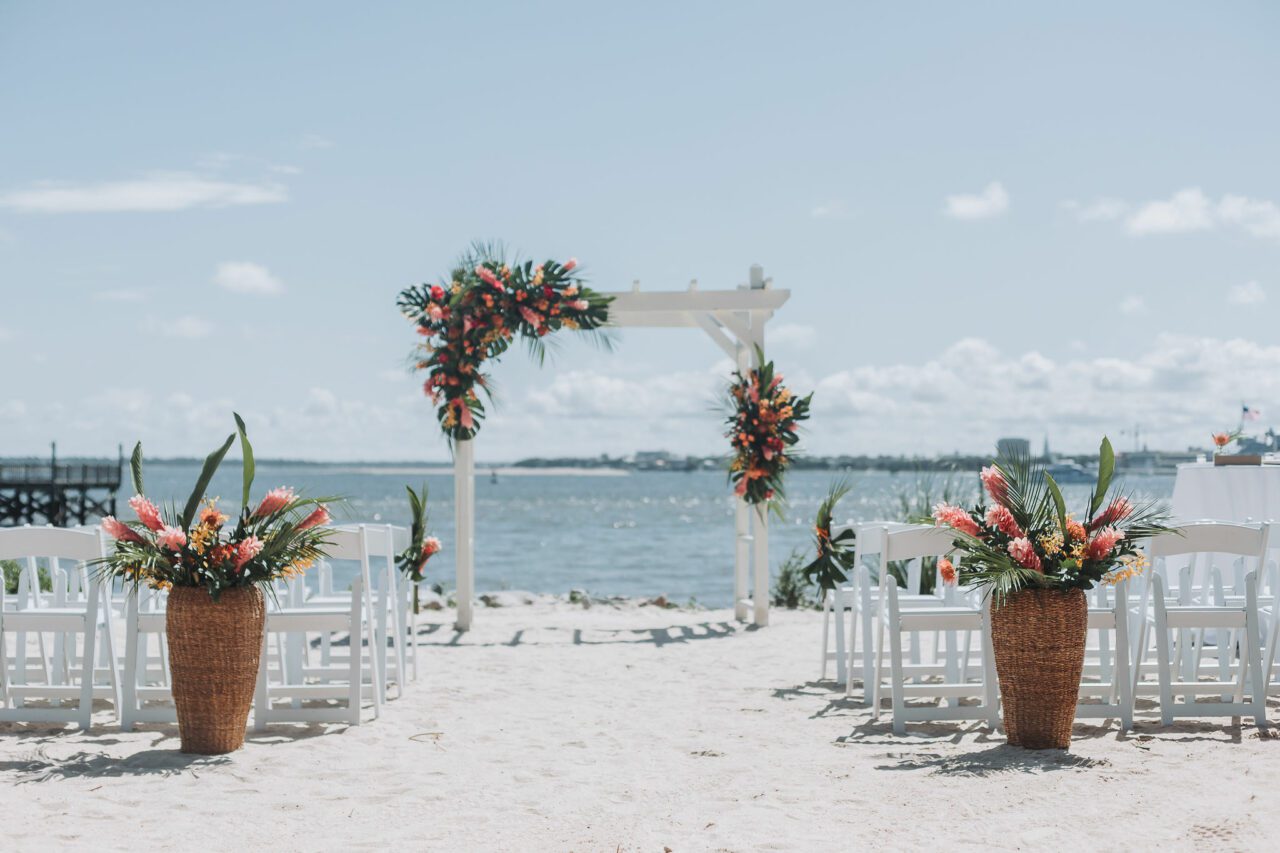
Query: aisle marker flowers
(476,314)
(1026,538)
(762,431)
(279,538)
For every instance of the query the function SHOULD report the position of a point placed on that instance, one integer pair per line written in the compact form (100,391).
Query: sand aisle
(554,728)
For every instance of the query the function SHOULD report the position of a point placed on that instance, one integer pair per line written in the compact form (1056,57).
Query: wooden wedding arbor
(735,320)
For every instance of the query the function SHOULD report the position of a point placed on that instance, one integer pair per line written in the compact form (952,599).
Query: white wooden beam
(716,331)
(464,527)
(696,300)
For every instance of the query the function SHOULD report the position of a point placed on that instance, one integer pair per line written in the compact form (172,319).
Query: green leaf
(210,466)
(135,468)
(1058,502)
(247,449)
(1106,470)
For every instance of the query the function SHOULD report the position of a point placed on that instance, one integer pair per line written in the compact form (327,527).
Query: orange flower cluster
(762,431)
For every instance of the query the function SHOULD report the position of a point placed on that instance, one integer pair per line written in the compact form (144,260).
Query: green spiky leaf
(206,475)
(1106,470)
(135,468)
(247,449)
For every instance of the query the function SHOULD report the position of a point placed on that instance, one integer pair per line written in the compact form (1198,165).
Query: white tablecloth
(1227,493)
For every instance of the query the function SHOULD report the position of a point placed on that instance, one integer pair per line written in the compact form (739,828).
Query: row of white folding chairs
(1111,676)
(141,692)
(79,665)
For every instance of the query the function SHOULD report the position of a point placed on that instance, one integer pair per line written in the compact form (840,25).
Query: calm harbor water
(635,534)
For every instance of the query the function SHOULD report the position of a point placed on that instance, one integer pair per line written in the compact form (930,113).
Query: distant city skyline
(995,220)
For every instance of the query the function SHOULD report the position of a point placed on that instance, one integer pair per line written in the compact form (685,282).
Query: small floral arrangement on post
(476,313)
(762,431)
(413,559)
(279,537)
(1026,538)
(835,554)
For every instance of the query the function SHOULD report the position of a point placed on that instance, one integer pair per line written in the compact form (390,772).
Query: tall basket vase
(1038,638)
(214,651)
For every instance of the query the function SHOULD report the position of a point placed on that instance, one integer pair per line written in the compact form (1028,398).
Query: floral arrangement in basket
(477,312)
(835,554)
(763,419)
(279,537)
(1026,538)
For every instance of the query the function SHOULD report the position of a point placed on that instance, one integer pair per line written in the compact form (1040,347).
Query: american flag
(1249,414)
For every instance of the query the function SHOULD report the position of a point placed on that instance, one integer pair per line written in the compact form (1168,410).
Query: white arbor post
(464,529)
(760,538)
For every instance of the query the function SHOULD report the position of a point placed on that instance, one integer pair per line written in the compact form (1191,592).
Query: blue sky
(994,218)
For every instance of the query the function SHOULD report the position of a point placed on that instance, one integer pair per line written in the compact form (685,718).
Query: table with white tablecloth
(1227,492)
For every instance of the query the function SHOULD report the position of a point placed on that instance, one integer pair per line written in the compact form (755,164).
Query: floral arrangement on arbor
(279,537)
(762,431)
(1026,538)
(477,312)
(835,554)
(413,559)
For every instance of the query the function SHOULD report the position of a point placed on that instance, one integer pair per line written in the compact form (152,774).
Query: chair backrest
(916,541)
(1212,537)
(52,542)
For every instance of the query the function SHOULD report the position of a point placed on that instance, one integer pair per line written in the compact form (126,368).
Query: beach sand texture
(550,727)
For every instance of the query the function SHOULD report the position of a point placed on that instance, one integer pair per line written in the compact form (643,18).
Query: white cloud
(795,335)
(1249,293)
(1098,210)
(1133,305)
(126,294)
(155,192)
(1188,210)
(187,326)
(247,277)
(315,141)
(833,209)
(992,201)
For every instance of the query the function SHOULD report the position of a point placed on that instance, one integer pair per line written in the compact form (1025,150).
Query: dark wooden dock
(58,494)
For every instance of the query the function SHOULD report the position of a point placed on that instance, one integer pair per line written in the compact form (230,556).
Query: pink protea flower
(1025,555)
(955,517)
(579,305)
(996,485)
(533,318)
(171,537)
(318,516)
(1102,542)
(276,500)
(430,546)
(435,312)
(117,529)
(1118,510)
(487,276)
(247,550)
(947,570)
(147,512)
(570,265)
(1001,519)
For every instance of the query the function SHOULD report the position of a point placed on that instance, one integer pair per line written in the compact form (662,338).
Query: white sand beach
(550,727)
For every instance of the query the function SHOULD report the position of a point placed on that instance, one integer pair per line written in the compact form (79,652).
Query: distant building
(649,459)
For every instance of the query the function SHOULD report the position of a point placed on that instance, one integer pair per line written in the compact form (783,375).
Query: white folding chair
(1105,679)
(356,618)
(1181,626)
(391,603)
(955,614)
(859,649)
(76,614)
(146,689)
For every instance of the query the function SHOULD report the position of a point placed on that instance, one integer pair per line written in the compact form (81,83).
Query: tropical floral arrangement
(835,554)
(1222,439)
(763,418)
(279,537)
(476,313)
(413,559)
(1026,538)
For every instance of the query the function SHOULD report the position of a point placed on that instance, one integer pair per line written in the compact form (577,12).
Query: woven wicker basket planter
(1038,638)
(214,649)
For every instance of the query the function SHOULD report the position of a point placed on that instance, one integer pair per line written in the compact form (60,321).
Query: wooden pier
(58,494)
